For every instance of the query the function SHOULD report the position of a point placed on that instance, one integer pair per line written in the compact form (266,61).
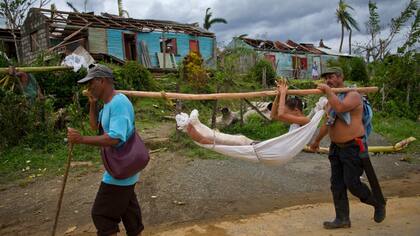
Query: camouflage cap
(332,70)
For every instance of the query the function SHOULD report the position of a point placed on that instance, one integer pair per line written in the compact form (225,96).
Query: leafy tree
(378,49)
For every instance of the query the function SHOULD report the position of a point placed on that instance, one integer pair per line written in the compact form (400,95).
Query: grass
(25,164)
(258,129)
(398,128)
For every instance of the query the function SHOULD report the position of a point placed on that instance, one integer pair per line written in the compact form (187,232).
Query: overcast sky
(299,20)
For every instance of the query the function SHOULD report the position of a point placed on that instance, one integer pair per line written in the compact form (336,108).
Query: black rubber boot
(342,219)
(337,224)
(380,210)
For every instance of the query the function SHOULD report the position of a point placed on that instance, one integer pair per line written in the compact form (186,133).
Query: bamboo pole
(227,96)
(5,70)
(374,149)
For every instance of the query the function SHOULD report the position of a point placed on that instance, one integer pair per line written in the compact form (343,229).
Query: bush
(22,122)
(134,76)
(62,86)
(354,68)
(400,83)
(193,71)
(358,70)
(256,72)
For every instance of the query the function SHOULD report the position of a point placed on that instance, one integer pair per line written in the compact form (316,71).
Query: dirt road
(174,190)
(403,218)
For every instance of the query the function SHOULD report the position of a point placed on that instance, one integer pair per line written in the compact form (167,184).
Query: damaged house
(155,44)
(7,43)
(290,59)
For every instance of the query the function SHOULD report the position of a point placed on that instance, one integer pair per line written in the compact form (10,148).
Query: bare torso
(340,132)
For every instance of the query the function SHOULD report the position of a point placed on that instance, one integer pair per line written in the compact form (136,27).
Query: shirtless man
(346,131)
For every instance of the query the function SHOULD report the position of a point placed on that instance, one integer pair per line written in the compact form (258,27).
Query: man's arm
(351,101)
(274,108)
(93,112)
(323,131)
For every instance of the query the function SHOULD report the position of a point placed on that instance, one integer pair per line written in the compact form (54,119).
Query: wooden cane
(63,186)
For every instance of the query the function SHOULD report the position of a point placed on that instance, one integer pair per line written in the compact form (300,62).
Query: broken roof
(260,44)
(62,19)
(6,35)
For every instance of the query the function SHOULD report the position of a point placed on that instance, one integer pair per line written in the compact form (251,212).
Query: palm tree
(208,22)
(121,11)
(346,20)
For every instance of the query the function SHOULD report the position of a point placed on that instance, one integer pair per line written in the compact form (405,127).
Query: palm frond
(72,7)
(218,20)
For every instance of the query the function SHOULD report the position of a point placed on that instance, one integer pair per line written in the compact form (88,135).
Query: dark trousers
(114,204)
(346,169)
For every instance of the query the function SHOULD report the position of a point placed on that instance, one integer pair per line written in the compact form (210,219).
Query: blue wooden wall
(183,45)
(116,48)
(115,43)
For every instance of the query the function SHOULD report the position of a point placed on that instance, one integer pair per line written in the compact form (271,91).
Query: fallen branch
(257,110)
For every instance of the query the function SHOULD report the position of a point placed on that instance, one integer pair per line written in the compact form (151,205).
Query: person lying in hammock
(289,111)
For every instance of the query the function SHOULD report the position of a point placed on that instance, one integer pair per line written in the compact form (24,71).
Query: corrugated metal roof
(111,21)
(334,53)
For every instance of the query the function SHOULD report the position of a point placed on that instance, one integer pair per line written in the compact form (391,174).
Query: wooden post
(383,96)
(178,108)
(215,108)
(242,112)
(164,49)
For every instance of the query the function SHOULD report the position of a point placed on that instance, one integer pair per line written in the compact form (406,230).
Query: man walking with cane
(116,199)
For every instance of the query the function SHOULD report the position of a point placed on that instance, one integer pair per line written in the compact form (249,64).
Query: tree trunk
(16,46)
(383,97)
(342,36)
(408,95)
(350,31)
(264,77)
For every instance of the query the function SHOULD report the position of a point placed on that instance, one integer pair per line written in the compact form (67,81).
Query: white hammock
(275,151)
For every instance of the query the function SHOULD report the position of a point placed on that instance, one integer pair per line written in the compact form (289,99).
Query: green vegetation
(396,129)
